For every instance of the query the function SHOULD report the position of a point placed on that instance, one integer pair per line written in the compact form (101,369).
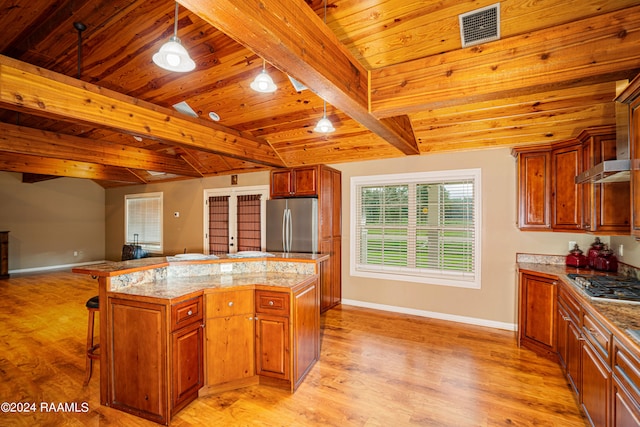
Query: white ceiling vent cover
(480,25)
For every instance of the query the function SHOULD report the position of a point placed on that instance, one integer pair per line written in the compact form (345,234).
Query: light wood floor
(376,369)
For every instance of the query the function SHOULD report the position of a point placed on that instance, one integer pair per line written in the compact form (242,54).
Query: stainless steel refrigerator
(292,225)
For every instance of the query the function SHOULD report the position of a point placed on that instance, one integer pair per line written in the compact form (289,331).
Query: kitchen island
(174,328)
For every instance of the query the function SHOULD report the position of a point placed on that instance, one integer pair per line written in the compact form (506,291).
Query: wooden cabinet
(272,335)
(153,371)
(187,365)
(596,374)
(568,336)
(325,183)
(306,333)
(534,190)
(230,343)
(631,97)
(537,328)
(606,205)
(298,182)
(566,200)
(138,359)
(4,254)
(626,387)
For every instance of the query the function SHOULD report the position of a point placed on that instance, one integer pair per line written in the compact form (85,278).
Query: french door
(235,219)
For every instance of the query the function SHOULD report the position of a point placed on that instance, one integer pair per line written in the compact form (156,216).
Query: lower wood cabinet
(537,326)
(230,343)
(600,368)
(152,371)
(272,335)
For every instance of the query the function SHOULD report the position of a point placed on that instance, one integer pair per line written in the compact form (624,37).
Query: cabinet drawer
(598,335)
(272,303)
(229,303)
(186,312)
(626,368)
(572,306)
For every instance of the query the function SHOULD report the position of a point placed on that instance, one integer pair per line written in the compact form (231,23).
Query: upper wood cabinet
(607,207)
(549,198)
(631,97)
(566,196)
(298,182)
(534,190)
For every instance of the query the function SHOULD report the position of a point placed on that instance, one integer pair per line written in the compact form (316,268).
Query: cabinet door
(281,183)
(306,321)
(272,346)
(534,190)
(138,358)
(230,348)
(537,312)
(635,168)
(596,383)
(187,364)
(566,204)
(626,412)
(305,181)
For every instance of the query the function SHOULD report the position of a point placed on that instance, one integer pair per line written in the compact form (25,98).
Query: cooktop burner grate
(609,287)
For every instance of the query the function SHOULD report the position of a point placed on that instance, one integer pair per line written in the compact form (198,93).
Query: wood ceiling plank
(41,92)
(293,38)
(21,140)
(592,50)
(11,162)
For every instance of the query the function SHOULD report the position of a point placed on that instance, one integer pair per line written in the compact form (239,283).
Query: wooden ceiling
(393,74)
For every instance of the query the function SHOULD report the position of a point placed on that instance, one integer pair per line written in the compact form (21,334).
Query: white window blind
(417,227)
(143,219)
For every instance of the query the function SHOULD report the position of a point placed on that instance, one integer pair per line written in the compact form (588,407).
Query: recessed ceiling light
(214,116)
(137,138)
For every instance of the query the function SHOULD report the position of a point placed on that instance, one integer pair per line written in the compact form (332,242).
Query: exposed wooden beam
(594,50)
(289,35)
(45,93)
(22,140)
(47,166)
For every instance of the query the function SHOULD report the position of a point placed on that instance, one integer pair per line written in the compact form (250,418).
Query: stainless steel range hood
(617,170)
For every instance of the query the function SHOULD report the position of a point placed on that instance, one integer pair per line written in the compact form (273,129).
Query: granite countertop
(622,315)
(116,268)
(171,288)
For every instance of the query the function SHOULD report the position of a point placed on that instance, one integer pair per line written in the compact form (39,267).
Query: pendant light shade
(324,124)
(172,56)
(263,83)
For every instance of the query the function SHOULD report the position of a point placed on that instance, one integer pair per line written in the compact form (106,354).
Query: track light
(263,82)
(324,124)
(172,56)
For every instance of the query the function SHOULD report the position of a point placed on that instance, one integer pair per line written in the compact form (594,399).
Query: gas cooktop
(614,288)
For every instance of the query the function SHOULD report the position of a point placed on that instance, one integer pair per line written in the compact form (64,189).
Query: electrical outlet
(226,268)
(572,244)
(75,253)
(621,250)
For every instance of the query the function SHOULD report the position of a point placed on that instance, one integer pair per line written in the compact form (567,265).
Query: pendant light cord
(175,23)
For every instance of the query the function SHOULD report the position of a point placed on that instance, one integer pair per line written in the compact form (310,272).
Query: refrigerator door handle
(289,230)
(284,230)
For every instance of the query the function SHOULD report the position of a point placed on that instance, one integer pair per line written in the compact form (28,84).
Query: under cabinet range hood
(617,170)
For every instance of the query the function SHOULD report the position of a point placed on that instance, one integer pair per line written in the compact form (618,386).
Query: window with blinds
(218,225)
(143,219)
(422,227)
(249,221)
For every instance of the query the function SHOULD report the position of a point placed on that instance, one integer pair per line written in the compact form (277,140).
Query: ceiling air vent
(480,25)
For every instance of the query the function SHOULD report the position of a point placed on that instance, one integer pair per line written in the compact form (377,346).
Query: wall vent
(480,25)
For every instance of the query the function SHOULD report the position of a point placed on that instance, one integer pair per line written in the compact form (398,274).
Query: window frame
(151,248)
(410,274)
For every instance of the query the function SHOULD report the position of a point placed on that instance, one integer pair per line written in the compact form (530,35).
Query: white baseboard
(433,315)
(52,267)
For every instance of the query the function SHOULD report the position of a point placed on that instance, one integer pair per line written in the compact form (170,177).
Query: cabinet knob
(189,313)
(230,303)
(270,302)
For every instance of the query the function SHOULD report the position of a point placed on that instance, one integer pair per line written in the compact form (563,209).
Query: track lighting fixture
(263,83)
(172,56)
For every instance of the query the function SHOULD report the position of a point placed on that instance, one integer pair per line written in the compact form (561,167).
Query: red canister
(576,258)
(594,251)
(606,260)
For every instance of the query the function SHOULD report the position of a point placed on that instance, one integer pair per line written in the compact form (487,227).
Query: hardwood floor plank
(376,369)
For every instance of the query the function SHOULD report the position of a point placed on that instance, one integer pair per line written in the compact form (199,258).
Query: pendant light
(324,124)
(263,83)
(172,56)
